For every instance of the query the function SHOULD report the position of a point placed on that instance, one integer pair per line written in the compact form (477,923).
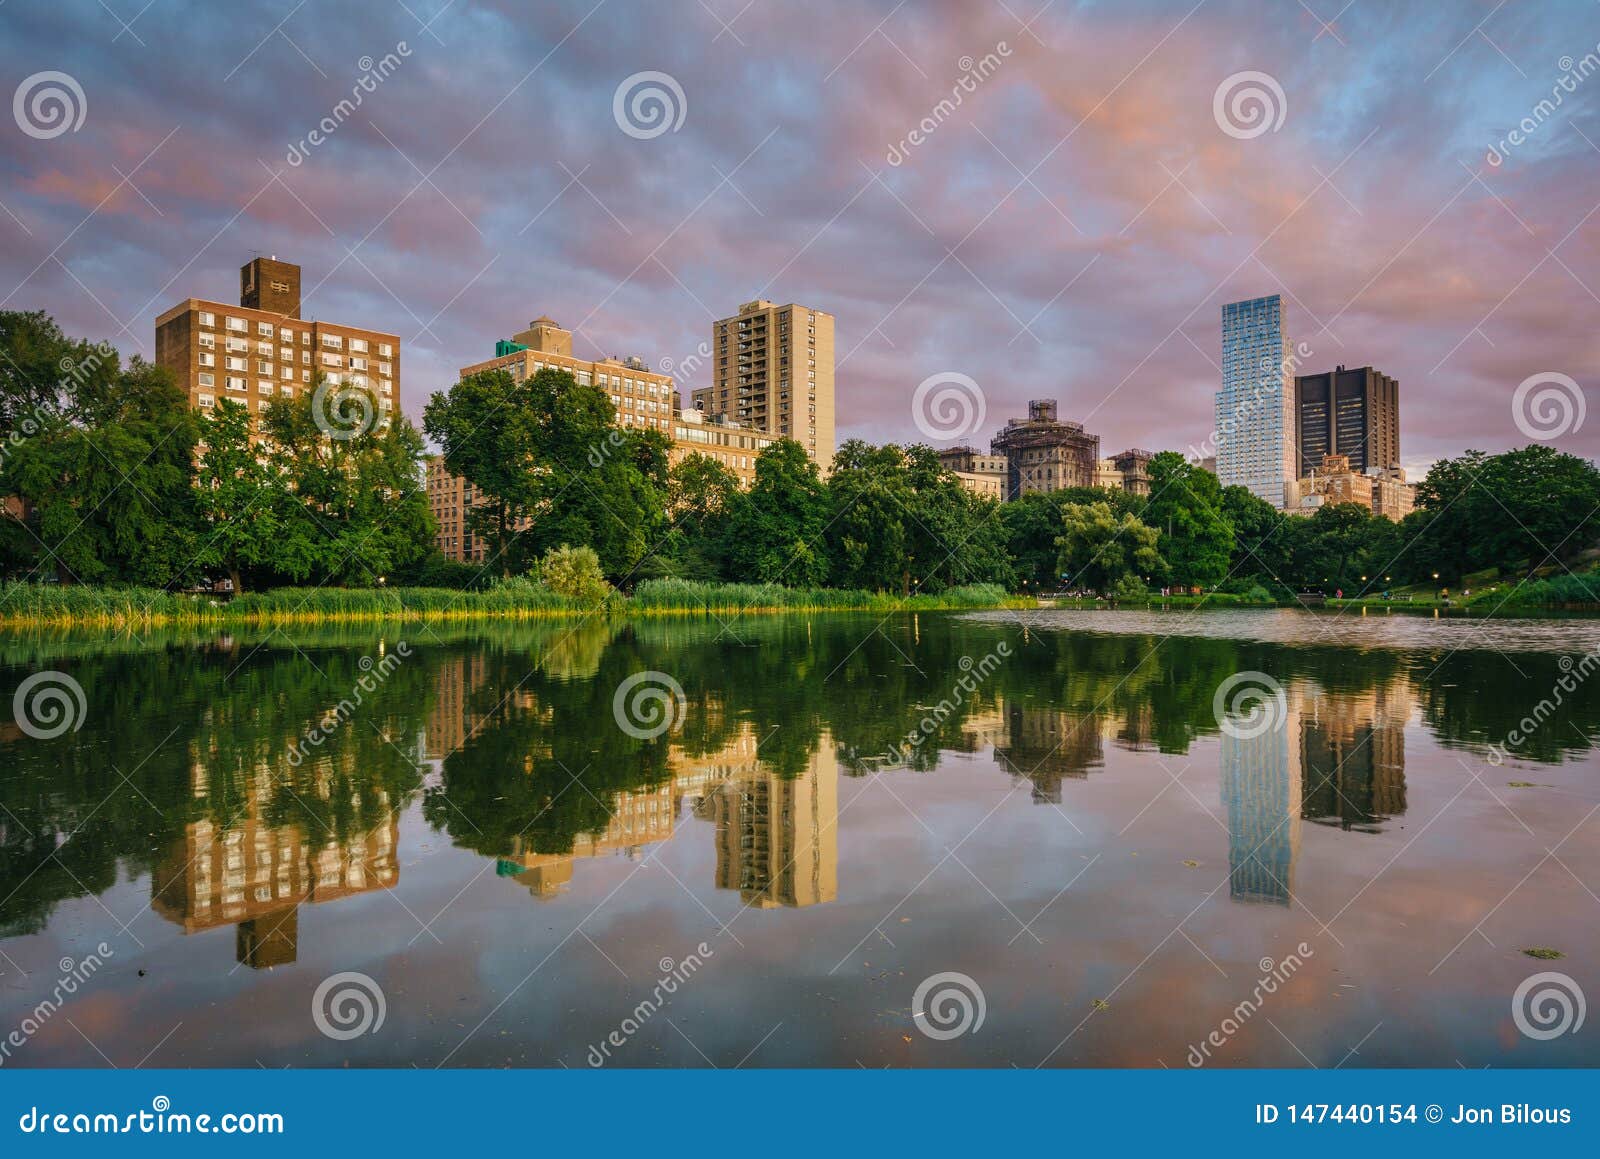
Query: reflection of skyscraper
(255,874)
(1046,746)
(777,837)
(1353,751)
(456,677)
(1261,792)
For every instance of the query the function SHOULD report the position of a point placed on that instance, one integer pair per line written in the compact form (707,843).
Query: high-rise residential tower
(1255,409)
(772,369)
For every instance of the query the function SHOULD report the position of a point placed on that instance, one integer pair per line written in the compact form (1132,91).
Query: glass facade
(1255,408)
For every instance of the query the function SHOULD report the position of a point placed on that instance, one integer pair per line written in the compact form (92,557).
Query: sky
(1111,174)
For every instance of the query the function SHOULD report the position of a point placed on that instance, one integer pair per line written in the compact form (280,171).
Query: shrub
(1129,589)
(574,572)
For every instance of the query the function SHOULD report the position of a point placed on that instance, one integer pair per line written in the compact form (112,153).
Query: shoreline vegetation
(24,606)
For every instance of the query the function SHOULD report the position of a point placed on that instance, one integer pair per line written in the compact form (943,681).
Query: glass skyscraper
(1255,408)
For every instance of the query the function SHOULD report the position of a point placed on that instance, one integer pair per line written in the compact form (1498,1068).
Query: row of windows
(266,329)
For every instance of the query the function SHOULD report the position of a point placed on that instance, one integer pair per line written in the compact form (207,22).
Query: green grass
(72,605)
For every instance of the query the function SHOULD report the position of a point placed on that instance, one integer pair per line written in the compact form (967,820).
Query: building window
(207,318)
(207,379)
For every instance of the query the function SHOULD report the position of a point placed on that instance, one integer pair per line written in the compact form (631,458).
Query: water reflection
(503,736)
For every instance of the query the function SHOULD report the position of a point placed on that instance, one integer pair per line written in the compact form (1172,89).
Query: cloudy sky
(1069,229)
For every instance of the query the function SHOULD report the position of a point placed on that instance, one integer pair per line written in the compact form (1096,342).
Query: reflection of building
(1353,757)
(256,874)
(1045,454)
(1261,793)
(1046,746)
(777,837)
(638,818)
(262,350)
(456,677)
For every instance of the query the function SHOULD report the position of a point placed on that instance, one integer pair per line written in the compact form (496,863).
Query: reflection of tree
(1478,698)
(172,738)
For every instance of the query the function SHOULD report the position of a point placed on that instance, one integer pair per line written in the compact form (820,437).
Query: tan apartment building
(1382,491)
(643,399)
(1126,471)
(772,369)
(979,473)
(261,350)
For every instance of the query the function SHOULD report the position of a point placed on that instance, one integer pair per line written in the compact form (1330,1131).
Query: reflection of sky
(838,977)
(1361,209)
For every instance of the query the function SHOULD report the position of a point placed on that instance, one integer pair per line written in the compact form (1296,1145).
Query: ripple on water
(1346,628)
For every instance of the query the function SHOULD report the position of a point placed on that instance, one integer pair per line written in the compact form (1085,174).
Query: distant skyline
(1052,199)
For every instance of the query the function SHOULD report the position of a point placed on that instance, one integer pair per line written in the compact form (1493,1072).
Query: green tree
(1098,547)
(1185,507)
(107,480)
(486,438)
(776,531)
(243,501)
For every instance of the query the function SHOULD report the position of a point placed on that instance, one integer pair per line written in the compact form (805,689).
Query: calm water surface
(844,808)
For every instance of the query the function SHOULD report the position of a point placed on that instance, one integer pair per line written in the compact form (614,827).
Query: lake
(1060,838)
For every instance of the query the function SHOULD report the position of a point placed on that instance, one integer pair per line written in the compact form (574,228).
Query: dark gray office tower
(1348,412)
